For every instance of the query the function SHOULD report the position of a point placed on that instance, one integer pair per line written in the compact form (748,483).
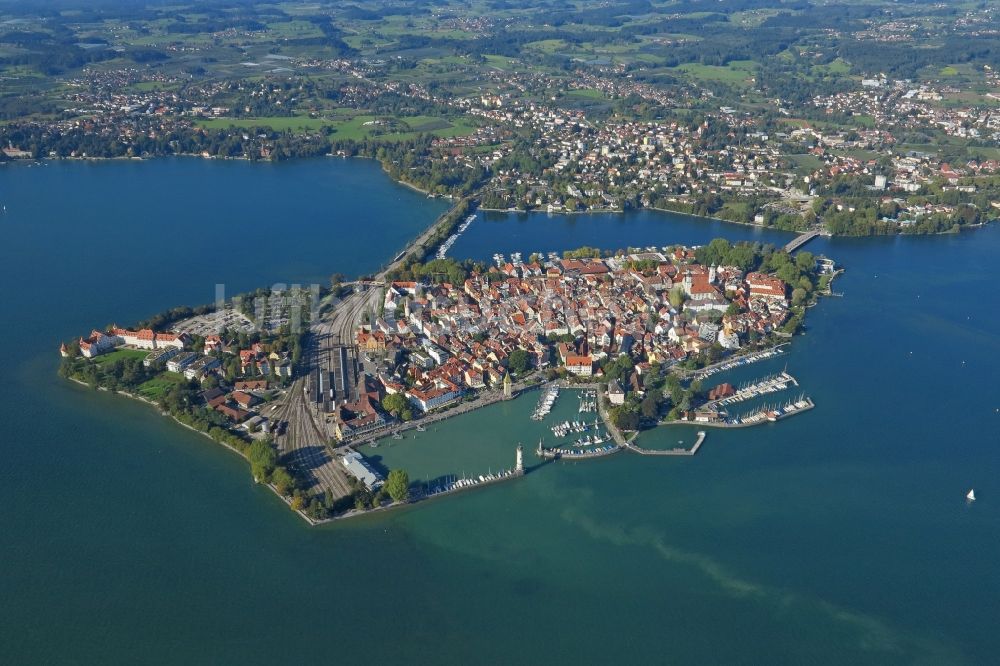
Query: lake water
(494,232)
(839,536)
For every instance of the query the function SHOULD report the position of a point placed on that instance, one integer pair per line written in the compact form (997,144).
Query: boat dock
(442,250)
(577,454)
(736,362)
(755,389)
(771,413)
(545,403)
(450,485)
(764,414)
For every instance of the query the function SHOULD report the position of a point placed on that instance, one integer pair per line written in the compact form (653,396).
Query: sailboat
(971,496)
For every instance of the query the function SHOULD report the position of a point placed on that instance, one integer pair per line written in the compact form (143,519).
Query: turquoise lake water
(839,536)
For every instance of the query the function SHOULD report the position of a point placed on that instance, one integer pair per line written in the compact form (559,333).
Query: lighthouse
(506,386)
(519,464)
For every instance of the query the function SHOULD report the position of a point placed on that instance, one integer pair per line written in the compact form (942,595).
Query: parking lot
(213,322)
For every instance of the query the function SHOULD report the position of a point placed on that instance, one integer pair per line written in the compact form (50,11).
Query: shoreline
(900,231)
(624,211)
(152,404)
(313,522)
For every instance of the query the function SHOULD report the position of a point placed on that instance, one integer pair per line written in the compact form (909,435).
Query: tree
(398,485)
(677,297)
(518,361)
(650,406)
(625,417)
(282,481)
(263,459)
(395,403)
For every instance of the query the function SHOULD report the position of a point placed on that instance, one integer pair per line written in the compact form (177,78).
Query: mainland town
(522,153)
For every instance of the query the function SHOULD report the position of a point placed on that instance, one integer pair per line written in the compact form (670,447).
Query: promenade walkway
(483,399)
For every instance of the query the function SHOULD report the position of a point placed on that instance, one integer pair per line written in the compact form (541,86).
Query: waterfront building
(581,366)
(616,394)
(96,343)
(360,417)
(361,470)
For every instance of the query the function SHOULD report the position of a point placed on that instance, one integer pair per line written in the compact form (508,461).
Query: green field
(805,163)
(277,123)
(838,67)
(351,127)
(120,354)
(157,386)
(587,93)
(738,72)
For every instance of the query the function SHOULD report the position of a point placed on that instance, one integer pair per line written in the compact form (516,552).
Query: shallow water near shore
(838,536)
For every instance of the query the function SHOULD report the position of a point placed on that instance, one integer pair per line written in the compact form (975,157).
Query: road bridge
(801,240)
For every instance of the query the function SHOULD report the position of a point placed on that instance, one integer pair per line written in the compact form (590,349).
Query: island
(297,381)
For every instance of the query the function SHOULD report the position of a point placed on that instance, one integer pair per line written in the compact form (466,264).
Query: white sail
(971,496)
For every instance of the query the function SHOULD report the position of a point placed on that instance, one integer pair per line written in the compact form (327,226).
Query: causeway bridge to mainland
(801,240)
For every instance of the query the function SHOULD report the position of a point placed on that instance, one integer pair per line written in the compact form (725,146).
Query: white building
(359,468)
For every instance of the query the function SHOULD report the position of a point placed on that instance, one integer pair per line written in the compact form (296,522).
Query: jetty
(677,451)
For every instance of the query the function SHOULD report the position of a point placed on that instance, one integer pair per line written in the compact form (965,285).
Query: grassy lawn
(121,354)
(277,123)
(349,126)
(157,386)
(805,163)
(547,45)
(838,66)
(356,127)
(737,72)
(499,62)
(587,93)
